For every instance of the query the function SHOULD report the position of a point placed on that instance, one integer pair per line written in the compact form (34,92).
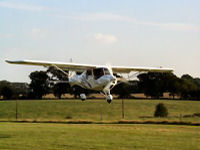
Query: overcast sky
(120,32)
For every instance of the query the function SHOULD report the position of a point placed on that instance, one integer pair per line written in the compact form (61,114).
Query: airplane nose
(112,78)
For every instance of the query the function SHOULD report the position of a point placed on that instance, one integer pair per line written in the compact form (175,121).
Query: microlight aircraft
(93,77)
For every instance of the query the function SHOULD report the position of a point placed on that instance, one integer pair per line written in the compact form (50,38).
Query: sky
(147,33)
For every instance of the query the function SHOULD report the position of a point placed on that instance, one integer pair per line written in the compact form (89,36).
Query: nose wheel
(109,101)
(106,93)
(109,98)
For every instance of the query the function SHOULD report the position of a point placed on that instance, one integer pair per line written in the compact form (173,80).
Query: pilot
(88,74)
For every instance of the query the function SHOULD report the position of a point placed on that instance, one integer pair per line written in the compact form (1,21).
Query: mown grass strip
(105,122)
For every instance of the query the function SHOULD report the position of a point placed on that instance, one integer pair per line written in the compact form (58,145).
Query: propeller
(120,79)
(108,65)
(56,81)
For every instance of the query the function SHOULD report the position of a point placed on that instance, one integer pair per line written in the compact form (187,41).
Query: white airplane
(93,77)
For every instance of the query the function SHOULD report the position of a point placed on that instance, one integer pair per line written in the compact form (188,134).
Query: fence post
(16,110)
(122,108)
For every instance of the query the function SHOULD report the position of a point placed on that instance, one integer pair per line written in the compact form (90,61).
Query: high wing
(82,67)
(125,69)
(61,65)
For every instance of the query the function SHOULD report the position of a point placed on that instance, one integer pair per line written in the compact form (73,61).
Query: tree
(152,84)
(56,74)
(4,83)
(189,87)
(124,90)
(39,84)
(197,83)
(77,90)
(6,89)
(187,77)
(6,92)
(19,90)
(60,88)
(172,84)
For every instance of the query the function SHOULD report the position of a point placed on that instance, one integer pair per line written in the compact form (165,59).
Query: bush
(161,110)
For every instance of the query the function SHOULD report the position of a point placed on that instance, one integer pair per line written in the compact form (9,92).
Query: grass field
(48,136)
(51,136)
(97,110)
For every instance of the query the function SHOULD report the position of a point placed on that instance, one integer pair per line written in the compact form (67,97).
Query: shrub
(68,117)
(161,110)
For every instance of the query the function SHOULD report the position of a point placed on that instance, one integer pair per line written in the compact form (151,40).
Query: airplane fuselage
(89,82)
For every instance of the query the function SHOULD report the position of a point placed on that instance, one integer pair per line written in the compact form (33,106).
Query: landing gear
(109,101)
(106,90)
(83,96)
(109,98)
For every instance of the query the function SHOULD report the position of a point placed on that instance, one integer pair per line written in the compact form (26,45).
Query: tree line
(153,85)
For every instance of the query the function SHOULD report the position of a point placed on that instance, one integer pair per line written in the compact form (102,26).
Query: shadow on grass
(2,136)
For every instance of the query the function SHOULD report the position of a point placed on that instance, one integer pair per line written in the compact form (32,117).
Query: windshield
(106,71)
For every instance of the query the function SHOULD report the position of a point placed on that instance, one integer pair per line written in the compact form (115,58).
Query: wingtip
(8,61)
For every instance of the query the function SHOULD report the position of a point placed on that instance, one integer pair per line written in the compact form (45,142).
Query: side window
(98,73)
(89,73)
(106,71)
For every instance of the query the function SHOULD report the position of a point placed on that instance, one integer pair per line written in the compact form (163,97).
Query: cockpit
(98,72)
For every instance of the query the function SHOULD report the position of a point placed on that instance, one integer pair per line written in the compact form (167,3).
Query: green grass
(96,110)
(48,136)
(51,136)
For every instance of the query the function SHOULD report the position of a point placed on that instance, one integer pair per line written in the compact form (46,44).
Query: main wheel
(83,97)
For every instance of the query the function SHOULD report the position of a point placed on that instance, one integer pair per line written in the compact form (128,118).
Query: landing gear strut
(106,90)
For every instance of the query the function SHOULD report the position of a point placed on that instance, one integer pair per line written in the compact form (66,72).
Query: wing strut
(135,74)
(60,70)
